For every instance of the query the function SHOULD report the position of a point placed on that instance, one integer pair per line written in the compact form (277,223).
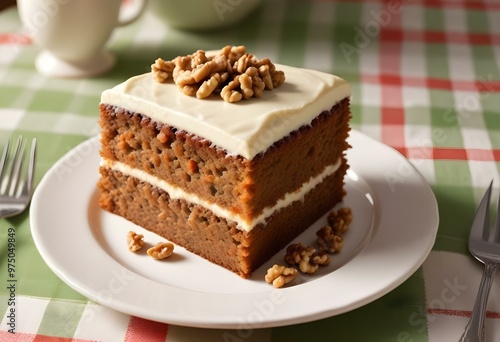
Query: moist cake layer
(245,187)
(175,192)
(247,128)
(200,231)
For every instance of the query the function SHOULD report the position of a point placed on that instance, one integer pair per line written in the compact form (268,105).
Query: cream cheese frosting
(246,128)
(176,192)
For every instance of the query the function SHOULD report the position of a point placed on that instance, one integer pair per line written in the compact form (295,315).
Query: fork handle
(474,331)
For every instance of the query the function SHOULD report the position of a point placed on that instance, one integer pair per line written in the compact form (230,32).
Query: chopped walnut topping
(340,220)
(232,72)
(328,241)
(161,250)
(134,241)
(280,275)
(307,257)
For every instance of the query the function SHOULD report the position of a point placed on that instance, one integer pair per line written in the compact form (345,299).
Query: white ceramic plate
(394,227)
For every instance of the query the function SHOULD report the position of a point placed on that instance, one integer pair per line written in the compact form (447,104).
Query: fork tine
(480,224)
(496,229)
(31,167)
(3,162)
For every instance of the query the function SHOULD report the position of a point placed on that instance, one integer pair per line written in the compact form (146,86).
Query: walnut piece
(230,93)
(306,257)
(161,250)
(162,70)
(340,220)
(280,275)
(232,72)
(134,241)
(328,241)
(208,86)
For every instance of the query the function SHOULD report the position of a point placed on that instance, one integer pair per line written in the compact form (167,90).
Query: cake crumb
(134,241)
(192,166)
(306,257)
(280,275)
(161,250)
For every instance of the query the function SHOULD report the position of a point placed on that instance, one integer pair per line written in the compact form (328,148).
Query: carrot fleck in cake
(225,154)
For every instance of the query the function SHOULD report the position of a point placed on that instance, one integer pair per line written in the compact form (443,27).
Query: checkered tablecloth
(426,81)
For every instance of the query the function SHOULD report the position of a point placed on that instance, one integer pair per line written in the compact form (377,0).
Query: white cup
(72,34)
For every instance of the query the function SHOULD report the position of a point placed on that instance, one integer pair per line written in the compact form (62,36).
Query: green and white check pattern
(426,81)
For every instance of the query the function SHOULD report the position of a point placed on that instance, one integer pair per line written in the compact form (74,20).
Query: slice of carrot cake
(225,154)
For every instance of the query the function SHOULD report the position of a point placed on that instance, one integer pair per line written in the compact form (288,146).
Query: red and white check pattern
(395,84)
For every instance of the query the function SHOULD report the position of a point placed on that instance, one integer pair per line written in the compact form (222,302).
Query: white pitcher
(72,34)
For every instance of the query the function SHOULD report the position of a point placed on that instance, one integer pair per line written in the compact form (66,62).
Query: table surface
(426,80)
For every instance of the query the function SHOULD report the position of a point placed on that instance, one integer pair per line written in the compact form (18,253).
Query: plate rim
(255,318)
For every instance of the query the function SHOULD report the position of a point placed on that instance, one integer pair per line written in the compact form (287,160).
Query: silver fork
(484,245)
(16,190)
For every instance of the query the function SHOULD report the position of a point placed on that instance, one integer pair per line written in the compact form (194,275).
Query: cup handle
(131,11)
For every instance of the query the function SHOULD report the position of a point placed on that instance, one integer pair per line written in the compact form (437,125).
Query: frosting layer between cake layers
(246,128)
(176,192)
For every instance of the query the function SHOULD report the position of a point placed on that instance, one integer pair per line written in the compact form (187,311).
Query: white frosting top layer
(241,223)
(245,128)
